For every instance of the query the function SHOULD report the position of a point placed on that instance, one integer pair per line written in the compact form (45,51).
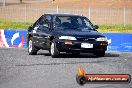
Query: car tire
(53,50)
(31,48)
(100,54)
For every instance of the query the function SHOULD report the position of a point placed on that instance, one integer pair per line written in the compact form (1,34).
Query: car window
(48,18)
(73,22)
(88,23)
(42,22)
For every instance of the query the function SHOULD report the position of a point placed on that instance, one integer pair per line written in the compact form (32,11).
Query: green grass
(14,25)
(102,28)
(115,28)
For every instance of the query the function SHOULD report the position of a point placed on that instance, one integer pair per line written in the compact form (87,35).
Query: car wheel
(100,54)
(53,50)
(31,48)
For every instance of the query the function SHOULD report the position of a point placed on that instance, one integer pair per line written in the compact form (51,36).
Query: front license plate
(86,45)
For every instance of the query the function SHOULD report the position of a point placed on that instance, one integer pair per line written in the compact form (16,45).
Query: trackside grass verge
(14,25)
(115,28)
(106,28)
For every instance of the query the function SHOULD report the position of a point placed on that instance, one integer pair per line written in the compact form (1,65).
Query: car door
(36,31)
(45,33)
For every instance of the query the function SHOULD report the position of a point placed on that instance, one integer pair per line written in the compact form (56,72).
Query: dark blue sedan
(68,33)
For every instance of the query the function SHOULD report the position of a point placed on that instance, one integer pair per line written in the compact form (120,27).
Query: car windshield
(73,23)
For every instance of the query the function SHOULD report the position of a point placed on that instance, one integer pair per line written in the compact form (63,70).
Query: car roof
(63,14)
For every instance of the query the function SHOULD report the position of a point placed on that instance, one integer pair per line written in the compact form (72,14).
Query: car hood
(88,34)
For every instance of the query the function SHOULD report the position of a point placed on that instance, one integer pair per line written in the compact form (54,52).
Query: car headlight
(68,37)
(101,39)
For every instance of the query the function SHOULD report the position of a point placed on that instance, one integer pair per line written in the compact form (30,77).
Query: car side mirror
(30,28)
(96,26)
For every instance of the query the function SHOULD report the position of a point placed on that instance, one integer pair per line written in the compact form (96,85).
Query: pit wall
(121,42)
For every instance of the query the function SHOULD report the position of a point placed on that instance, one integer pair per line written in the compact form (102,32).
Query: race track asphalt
(20,70)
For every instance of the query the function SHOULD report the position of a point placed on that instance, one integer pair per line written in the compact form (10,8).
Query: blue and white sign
(13,38)
(119,42)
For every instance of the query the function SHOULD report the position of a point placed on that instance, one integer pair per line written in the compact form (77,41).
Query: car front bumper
(75,46)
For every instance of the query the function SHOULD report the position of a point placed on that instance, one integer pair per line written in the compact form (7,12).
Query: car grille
(86,39)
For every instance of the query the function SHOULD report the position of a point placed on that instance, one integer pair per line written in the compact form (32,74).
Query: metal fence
(97,15)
